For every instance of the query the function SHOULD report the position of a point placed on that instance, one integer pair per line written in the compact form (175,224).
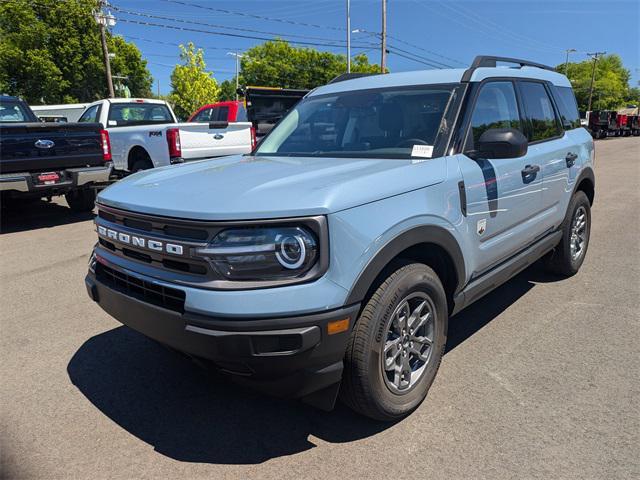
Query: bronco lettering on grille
(140,242)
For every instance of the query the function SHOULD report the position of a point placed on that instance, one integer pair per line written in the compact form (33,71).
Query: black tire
(140,161)
(561,261)
(365,386)
(81,200)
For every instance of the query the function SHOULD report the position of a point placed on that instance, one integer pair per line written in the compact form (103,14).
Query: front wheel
(397,344)
(568,256)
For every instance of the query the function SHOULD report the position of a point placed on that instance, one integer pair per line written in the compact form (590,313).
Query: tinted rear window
(127,114)
(566,101)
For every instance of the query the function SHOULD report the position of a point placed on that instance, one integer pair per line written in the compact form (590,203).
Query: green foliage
(191,85)
(611,86)
(50,52)
(228,90)
(278,64)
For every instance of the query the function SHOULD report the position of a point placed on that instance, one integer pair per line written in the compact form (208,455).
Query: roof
(476,73)
(9,97)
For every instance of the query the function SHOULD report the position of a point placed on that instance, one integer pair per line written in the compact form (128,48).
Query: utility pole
(348,36)
(105,19)
(595,56)
(383,40)
(566,62)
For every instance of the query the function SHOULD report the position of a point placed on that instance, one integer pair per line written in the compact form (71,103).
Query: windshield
(13,112)
(400,122)
(127,114)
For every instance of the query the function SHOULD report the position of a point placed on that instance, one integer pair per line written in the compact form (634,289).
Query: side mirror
(501,143)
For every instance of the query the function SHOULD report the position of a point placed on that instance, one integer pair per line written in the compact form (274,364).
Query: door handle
(529,173)
(571,159)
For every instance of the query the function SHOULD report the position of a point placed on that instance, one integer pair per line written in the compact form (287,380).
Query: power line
(213,25)
(433,63)
(390,50)
(425,50)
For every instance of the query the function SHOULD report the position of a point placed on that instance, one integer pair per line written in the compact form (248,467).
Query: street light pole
(566,63)
(383,40)
(348,36)
(238,57)
(593,75)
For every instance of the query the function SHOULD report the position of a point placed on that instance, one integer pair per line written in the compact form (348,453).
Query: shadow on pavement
(189,414)
(20,216)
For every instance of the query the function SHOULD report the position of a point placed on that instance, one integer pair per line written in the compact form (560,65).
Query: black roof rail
(350,76)
(491,62)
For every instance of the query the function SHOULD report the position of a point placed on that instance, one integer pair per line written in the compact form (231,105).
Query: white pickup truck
(144,133)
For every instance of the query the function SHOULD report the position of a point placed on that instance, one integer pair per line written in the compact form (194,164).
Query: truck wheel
(569,254)
(141,164)
(396,345)
(81,200)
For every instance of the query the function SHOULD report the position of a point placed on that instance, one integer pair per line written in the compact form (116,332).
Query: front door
(503,196)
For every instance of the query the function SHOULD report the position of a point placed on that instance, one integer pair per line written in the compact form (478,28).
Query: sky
(432,33)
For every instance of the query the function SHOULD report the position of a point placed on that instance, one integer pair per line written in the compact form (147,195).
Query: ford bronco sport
(328,261)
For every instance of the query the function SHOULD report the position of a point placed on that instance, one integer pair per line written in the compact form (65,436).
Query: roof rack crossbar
(491,62)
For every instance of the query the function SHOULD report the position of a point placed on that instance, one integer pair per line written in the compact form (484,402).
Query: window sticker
(424,151)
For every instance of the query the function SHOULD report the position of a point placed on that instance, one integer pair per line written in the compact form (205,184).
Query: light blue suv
(328,261)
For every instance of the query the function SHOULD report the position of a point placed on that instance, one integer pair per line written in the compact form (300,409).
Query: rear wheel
(397,344)
(81,200)
(568,256)
(140,160)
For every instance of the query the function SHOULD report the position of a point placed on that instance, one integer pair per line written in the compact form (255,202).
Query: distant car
(40,159)
(145,134)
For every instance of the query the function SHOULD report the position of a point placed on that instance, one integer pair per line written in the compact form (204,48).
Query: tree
(611,86)
(228,90)
(50,52)
(278,64)
(191,85)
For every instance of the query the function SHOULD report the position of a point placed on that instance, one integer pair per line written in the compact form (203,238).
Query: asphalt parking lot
(541,378)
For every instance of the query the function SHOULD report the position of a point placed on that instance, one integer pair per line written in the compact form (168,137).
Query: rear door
(552,135)
(503,196)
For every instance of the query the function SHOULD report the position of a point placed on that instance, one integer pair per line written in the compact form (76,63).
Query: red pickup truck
(262,106)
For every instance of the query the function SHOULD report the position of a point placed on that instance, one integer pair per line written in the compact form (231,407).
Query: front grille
(159,295)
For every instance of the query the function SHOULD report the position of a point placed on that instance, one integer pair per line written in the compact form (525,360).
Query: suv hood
(244,187)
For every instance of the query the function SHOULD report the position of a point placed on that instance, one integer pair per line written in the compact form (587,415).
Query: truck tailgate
(202,140)
(30,147)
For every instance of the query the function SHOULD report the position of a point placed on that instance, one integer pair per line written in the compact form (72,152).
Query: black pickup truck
(46,159)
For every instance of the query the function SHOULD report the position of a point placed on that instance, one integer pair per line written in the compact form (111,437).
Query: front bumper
(291,357)
(70,178)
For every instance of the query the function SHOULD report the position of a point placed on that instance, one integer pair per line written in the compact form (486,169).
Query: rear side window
(90,115)
(128,114)
(539,112)
(202,115)
(223,114)
(496,107)
(241,116)
(567,106)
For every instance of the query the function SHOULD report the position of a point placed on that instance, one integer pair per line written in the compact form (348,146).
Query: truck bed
(74,145)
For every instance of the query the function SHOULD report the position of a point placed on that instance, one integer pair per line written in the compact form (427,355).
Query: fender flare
(423,234)
(586,174)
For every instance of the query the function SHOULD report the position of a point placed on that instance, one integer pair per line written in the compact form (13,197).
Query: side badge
(482,226)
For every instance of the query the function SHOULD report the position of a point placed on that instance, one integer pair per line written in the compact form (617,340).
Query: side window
(496,107)
(90,115)
(203,116)
(241,116)
(567,106)
(223,114)
(539,112)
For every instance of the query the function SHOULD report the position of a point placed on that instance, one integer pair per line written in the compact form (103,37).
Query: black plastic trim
(415,236)
(490,61)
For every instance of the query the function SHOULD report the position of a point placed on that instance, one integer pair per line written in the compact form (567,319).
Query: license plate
(48,178)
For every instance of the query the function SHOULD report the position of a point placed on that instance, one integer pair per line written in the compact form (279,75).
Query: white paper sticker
(424,151)
(112,123)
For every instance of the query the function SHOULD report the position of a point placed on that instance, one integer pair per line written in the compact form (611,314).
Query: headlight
(262,254)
